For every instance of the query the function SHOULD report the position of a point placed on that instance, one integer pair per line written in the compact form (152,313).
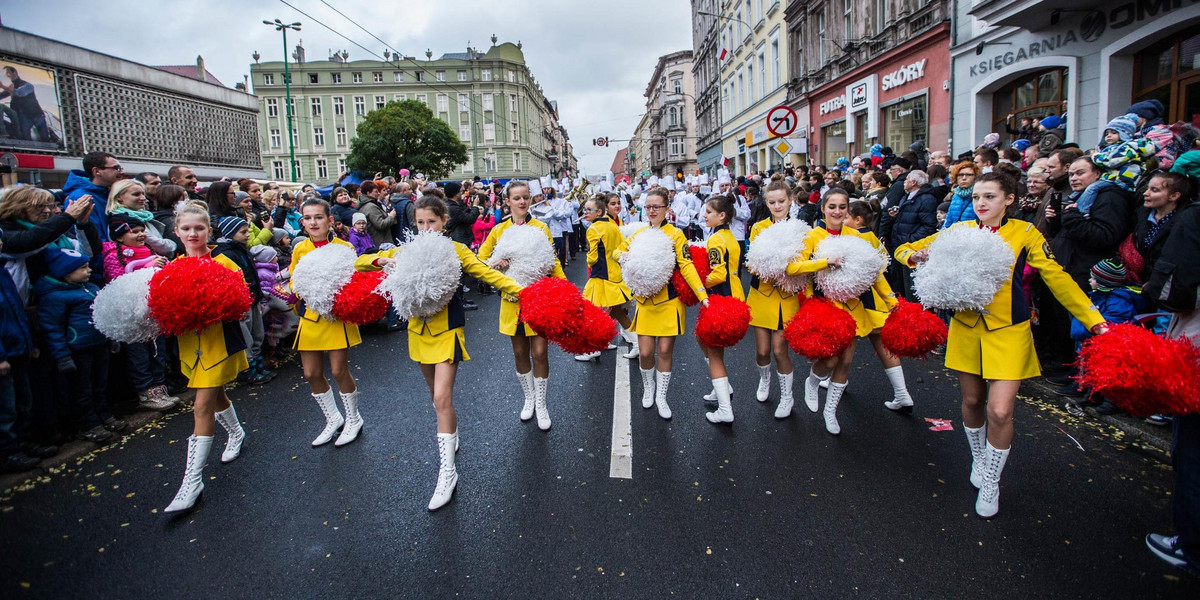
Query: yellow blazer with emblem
(317,333)
(510,306)
(604,287)
(724,256)
(871,308)
(770,307)
(213,356)
(440,338)
(998,343)
(662,314)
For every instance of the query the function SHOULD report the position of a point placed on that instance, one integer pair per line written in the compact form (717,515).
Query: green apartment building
(489,98)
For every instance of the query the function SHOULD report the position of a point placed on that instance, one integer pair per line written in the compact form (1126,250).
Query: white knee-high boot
(724,412)
(354,422)
(832,398)
(977,439)
(711,397)
(786,401)
(229,421)
(812,391)
(193,482)
(527,388)
(764,383)
(901,400)
(647,387)
(660,393)
(333,418)
(540,385)
(447,474)
(988,502)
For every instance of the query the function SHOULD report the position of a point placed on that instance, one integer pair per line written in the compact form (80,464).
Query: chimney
(200,70)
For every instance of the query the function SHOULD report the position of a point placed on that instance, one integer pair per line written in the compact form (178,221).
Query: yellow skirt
(217,375)
(865,320)
(604,293)
(322,335)
(510,318)
(1001,354)
(658,320)
(429,349)
(771,312)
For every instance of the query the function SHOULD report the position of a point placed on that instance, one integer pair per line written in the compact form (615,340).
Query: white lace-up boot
(527,388)
(447,475)
(901,400)
(711,397)
(629,336)
(977,439)
(354,422)
(786,400)
(647,387)
(764,383)
(812,391)
(229,421)
(724,412)
(333,418)
(540,385)
(988,502)
(831,403)
(193,482)
(660,393)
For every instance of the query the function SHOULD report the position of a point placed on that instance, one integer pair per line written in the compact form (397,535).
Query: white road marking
(622,429)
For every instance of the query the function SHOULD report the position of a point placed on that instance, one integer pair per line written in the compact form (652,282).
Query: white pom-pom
(861,265)
(773,249)
(966,267)
(530,254)
(320,274)
(424,276)
(121,311)
(648,265)
(629,229)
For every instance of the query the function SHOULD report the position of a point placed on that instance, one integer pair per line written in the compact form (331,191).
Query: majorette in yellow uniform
(510,306)
(997,344)
(724,256)
(663,314)
(866,308)
(317,333)
(770,307)
(213,356)
(440,338)
(604,286)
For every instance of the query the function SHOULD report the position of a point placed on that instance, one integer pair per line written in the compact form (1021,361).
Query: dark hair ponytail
(723,204)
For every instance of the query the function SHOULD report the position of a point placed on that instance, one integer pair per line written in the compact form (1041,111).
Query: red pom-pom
(723,323)
(191,293)
(551,306)
(1141,372)
(592,331)
(357,301)
(699,256)
(820,330)
(911,331)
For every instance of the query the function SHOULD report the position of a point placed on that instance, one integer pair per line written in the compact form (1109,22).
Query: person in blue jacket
(16,401)
(64,304)
(1117,302)
(100,171)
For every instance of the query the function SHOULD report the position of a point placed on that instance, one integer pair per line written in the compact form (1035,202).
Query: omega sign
(904,75)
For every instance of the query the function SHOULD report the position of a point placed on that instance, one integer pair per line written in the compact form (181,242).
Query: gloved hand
(66,365)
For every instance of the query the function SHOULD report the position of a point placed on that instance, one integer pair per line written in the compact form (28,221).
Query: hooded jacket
(65,315)
(15,338)
(78,185)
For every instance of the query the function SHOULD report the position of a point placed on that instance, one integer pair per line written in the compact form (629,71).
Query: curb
(1136,430)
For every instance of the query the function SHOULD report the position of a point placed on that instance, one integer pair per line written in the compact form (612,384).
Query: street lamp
(287,86)
(712,14)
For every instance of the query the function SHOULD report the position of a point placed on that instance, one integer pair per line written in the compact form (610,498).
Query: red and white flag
(722,54)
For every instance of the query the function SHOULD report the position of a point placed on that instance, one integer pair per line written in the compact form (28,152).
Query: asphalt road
(759,509)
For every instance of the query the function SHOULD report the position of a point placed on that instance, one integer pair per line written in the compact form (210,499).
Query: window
(774,63)
(360,105)
(315,106)
(322,169)
(268,79)
(272,107)
(377,77)
(299,173)
(761,13)
(441,75)
(741,92)
(419,75)
(487,74)
(676,146)
(277,170)
(880,15)
(1167,71)
(423,99)
(335,77)
(673,116)
(399,97)
(397,76)
(847,27)
(905,122)
(516,160)
(312,78)
(464,132)
(443,103)
(276,140)
(318,137)
(295,137)
(489,162)
(463,99)
(340,132)
(462,75)
(341,165)
(488,102)
(356,77)
(725,100)
(291,107)
(833,138)
(515,138)
(339,108)
(380,101)
(750,82)
(1034,95)
(676,86)
(489,132)
(512,76)
(512,104)
(821,40)
(762,74)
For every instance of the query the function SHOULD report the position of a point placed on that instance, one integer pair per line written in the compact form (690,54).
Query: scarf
(964,193)
(63,241)
(141,215)
(1029,202)
(1156,228)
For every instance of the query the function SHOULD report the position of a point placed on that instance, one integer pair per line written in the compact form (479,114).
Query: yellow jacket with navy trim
(208,347)
(604,237)
(683,261)
(298,252)
(724,257)
(489,245)
(763,286)
(879,298)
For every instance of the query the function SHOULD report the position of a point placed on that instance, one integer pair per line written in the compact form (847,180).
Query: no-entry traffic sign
(782,121)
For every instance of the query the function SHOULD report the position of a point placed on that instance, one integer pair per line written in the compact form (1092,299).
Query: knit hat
(1051,122)
(453,188)
(120,224)
(263,253)
(1020,145)
(1148,109)
(1125,126)
(61,262)
(358,217)
(991,140)
(228,226)
(1109,273)
(903,162)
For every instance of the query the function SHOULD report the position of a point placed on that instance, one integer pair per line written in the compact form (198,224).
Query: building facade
(147,117)
(1087,60)
(671,126)
(639,149)
(490,99)
(705,70)
(753,39)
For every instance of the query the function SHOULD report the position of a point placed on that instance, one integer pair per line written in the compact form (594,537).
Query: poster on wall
(30,117)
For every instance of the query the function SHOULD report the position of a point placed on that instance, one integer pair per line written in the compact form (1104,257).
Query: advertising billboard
(30,116)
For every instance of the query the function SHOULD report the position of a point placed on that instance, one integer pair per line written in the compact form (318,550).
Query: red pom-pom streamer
(191,293)
(592,332)
(555,309)
(1141,372)
(723,323)
(357,301)
(820,330)
(699,256)
(911,331)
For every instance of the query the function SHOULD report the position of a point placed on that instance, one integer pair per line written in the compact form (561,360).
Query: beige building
(671,123)
(639,149)
(753,39)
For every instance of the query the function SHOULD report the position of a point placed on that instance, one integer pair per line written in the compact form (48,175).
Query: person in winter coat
(16,401)
(100,171)
(913,218)
(127,249)
(898,171)
(1162,201)
(380,219)
(342,207)
(1151,127)
(30,220)
(1121,156)
(1050,134)
(961,205)
(235,235)
(128,197)
(358,236)
(1026,131)
(1084,240)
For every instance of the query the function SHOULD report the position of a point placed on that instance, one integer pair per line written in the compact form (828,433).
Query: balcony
(1032,15)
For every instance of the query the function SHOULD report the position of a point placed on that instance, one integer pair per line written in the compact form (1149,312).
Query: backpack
(403,225)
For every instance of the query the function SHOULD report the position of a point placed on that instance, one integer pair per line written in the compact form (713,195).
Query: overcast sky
(594,58)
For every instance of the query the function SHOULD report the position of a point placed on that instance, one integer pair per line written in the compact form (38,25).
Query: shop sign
(836,103)
(858,96)
(905,74)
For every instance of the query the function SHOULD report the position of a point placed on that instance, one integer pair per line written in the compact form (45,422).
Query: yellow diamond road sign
(783,147)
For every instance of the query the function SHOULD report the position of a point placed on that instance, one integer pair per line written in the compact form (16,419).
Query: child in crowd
(358,236)
(340,231)
(1116,301)
(64,300)
(1121,157)
(233,244)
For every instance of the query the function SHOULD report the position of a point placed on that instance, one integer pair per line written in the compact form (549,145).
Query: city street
(759,509)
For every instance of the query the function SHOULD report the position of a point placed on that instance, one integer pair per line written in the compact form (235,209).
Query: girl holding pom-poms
(437,342)
(319,335)
(724,256)
(659,317)
(604,287)
(530,350)
(209,358)
(992,349)
(834,207)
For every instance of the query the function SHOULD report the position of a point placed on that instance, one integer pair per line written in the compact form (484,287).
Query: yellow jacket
(683,261)
(208,347)
(879,298)
(724,257)
(298,251)
(1010,306)
(604,237)
(489,245)
(765,287)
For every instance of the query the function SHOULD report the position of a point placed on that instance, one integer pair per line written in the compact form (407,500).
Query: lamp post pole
(287,87)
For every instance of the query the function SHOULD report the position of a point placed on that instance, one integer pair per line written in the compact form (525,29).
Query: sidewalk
(1136,429)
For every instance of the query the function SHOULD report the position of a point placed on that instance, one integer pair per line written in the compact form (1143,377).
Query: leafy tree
(405,134)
